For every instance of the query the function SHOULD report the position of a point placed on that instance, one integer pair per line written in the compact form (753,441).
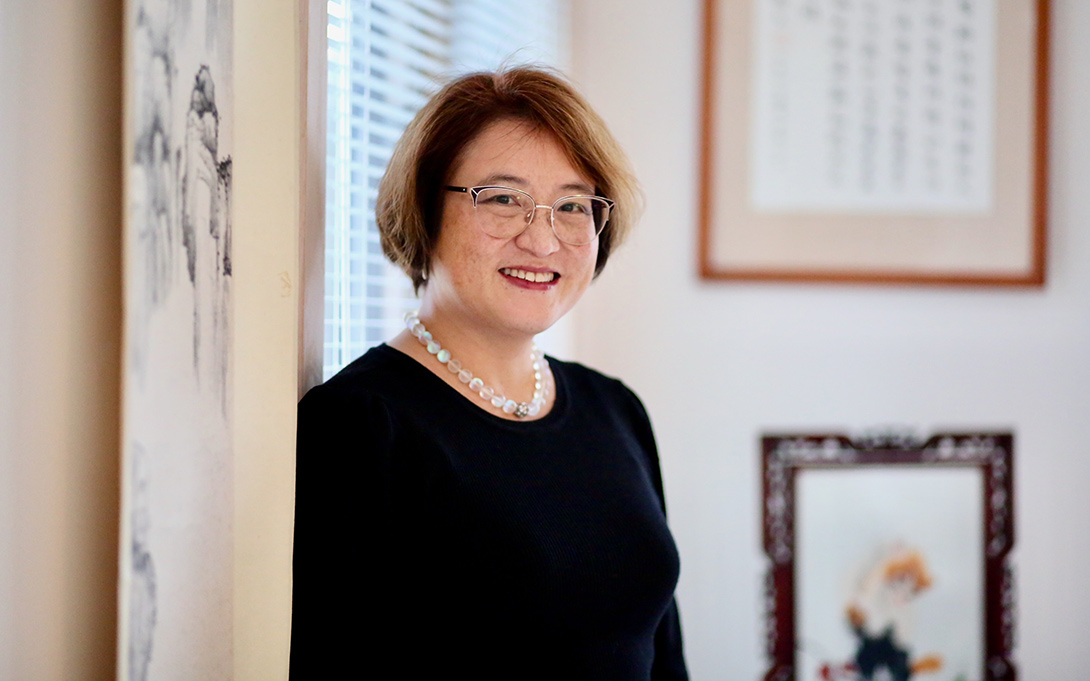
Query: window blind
(386,57)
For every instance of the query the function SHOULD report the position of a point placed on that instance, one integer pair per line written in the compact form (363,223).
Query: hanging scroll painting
(176,569)
(898,141)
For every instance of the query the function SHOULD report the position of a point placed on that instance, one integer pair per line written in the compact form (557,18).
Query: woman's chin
(532,325)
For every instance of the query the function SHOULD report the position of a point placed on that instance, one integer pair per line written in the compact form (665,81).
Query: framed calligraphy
(888,557)
(880,141)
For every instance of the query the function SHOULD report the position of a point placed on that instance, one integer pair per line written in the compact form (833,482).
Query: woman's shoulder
(384,389)
(372,375)
(373,393)
(358,409)
(611,401)
(586,384)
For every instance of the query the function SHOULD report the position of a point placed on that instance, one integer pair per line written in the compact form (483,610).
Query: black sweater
(434,539)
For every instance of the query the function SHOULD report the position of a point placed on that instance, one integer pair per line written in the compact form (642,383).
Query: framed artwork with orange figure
(888,557)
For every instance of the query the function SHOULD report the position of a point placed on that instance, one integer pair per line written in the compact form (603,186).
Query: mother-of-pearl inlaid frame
(976,472)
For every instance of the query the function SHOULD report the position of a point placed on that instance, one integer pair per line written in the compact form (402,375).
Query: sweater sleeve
(342,551)
(669,664)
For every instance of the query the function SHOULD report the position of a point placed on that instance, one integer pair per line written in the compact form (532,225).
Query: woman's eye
(573,207)
(499,199)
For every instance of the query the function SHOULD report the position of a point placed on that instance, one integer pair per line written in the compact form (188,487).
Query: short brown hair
(410,196)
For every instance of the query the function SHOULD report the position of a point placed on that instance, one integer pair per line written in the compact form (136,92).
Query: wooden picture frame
(923,162)
(830,505)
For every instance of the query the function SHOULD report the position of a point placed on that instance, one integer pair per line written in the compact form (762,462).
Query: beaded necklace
(519,409)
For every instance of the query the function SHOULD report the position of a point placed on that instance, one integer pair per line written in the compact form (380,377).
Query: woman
(464,504)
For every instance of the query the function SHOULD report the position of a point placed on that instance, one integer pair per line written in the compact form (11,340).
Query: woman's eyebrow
(578,187)
(502,178)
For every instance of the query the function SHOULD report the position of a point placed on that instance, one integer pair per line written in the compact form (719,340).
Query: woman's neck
(502,361)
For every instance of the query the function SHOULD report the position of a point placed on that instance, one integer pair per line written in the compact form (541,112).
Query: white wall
(718,364)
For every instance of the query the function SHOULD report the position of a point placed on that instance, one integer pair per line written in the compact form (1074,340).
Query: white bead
(434,347)
(536,366)
(487,393)
(443,355)
(465,376)
(537,385)
(424,338)
(510,406)
(476,384)
(535,408)
(498,400)
(454,365)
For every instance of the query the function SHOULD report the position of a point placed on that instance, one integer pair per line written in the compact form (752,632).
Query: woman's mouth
(530,277)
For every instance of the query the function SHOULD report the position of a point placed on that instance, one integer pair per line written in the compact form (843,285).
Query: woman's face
(475,278)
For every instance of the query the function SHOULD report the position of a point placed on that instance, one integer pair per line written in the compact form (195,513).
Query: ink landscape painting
(175,610)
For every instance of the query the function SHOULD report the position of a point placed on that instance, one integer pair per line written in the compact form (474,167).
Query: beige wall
(718,364)
(59,337)
(269,67)
(60,333)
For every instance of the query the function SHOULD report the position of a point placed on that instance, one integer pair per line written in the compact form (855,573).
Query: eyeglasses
(504,213)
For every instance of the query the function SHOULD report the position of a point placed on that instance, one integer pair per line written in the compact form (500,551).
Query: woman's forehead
(517,153)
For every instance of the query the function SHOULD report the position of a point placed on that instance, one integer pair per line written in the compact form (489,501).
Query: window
(386,57)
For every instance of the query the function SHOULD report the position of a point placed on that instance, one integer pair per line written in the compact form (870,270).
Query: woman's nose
(538,237)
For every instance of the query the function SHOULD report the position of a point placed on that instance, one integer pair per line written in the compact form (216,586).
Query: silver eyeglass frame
(475,191)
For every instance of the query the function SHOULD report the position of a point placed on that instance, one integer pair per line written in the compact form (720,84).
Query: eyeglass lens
(504,212)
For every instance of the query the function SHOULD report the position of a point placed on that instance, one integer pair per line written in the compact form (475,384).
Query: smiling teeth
(539,277)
